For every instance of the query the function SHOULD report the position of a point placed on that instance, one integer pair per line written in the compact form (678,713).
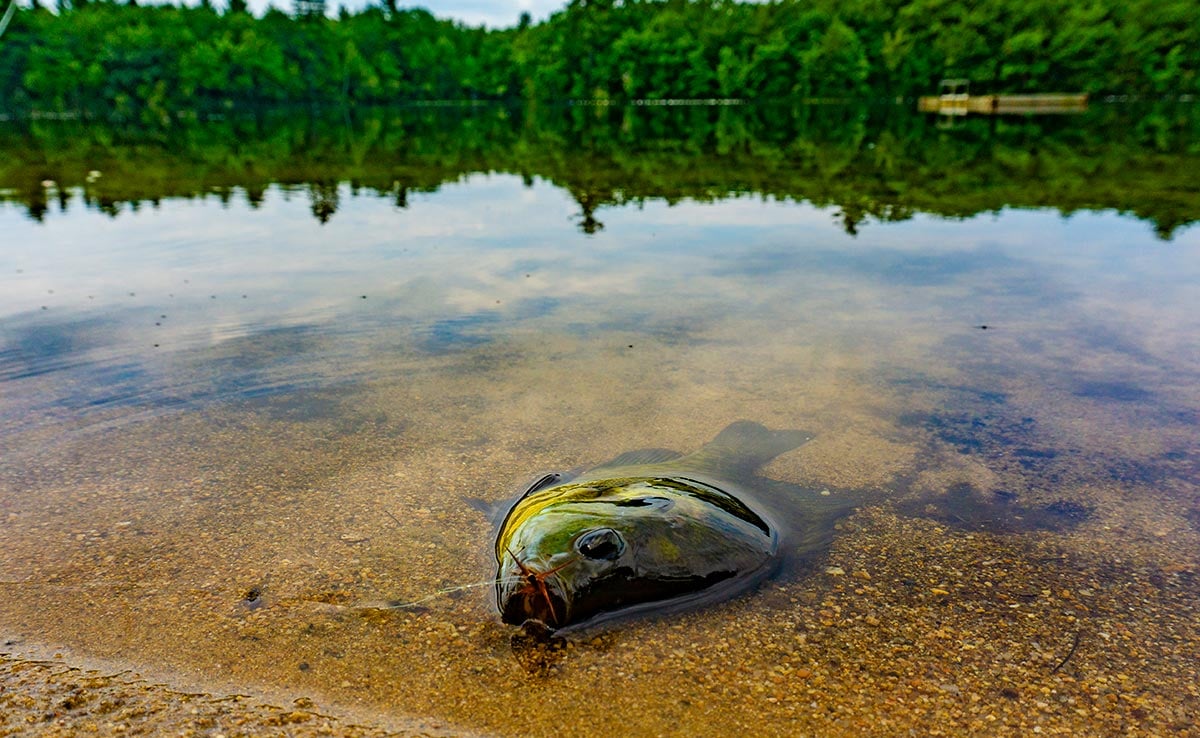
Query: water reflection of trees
(875,163)
(323,199)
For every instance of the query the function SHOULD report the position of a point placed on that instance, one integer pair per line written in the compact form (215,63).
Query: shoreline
(69,696)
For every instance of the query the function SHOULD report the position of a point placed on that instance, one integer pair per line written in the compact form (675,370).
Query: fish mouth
(525,594)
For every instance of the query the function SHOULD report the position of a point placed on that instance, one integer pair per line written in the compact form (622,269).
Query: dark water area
(250,368)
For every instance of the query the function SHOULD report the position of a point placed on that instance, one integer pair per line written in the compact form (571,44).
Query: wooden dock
(963,104)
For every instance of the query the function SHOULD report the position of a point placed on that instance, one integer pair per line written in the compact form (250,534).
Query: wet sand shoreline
(907,625)
(56,697)
(235,567)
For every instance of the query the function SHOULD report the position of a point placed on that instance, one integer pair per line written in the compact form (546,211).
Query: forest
(124,60)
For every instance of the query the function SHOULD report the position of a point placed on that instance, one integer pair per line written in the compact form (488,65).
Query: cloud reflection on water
(482,258)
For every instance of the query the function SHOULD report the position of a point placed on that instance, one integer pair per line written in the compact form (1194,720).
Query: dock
(956,99)
(1049,102)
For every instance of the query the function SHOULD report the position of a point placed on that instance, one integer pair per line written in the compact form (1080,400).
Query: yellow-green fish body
(648,531)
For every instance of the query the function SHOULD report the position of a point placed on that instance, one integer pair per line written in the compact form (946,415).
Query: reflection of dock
(955,99)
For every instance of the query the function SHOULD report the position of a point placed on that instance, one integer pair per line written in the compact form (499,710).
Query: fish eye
(604,544)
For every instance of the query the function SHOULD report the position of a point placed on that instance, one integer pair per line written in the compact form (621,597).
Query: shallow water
(227,424)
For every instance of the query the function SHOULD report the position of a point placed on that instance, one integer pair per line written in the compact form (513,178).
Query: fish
(655,531)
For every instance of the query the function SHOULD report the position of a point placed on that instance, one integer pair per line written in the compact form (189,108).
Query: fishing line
(8,16)
(371,605)
(393,605)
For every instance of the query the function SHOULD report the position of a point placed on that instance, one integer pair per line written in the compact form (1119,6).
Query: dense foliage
(870,163)
(126,59)
(123,59)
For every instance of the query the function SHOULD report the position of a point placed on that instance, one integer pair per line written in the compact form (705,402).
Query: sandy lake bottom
(227,430)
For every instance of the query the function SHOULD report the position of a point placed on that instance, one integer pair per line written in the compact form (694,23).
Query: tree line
(869,163)
(123,59)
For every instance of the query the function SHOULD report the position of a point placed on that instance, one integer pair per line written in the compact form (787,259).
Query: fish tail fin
(744,446)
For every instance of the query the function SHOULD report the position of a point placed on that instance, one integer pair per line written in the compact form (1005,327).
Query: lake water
(249,372)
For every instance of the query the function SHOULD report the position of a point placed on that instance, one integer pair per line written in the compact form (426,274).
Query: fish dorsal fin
(495,511)
(640,458)
(743,447)
(543,482)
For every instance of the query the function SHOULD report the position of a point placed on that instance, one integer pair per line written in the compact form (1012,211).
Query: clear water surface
(227,424)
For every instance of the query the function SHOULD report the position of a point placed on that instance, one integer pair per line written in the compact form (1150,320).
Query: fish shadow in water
(998,511)
(541,651)
(653,532)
